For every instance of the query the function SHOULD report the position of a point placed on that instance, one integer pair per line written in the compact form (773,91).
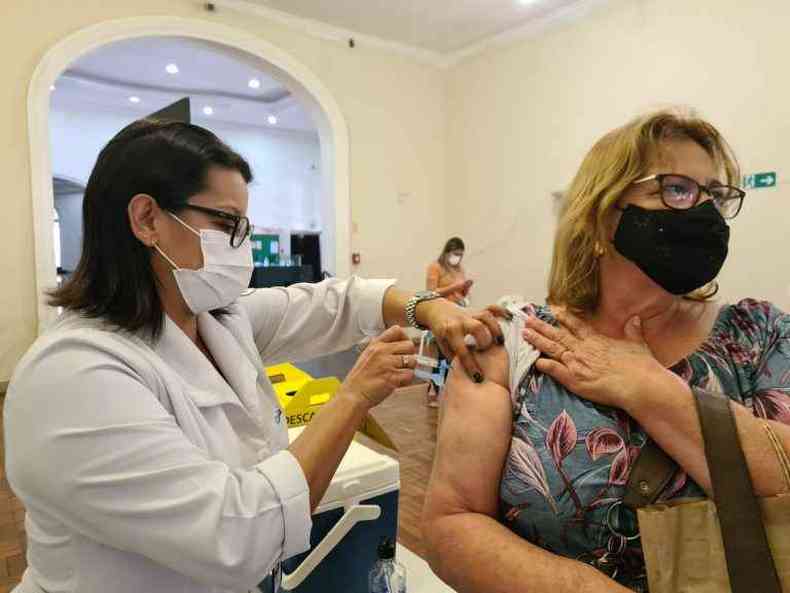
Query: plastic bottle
(387,575)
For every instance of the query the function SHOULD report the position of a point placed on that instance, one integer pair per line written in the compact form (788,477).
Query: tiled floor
(405,417)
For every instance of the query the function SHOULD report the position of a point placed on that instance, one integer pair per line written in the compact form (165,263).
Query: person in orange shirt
(447,277)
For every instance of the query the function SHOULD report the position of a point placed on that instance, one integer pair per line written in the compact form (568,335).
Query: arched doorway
(299,79)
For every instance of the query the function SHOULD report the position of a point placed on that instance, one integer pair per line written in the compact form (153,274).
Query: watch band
(411,306)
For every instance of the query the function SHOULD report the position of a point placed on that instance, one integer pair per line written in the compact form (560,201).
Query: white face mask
(454,260)
(225,274)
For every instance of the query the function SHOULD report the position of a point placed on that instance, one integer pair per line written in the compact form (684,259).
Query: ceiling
(217,77)
(211,75)
(441,26)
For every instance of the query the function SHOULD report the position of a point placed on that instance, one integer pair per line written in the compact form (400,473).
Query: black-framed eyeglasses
(679,192)
(241,224)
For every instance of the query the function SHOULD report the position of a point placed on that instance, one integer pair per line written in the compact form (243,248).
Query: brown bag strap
(749,560)
(650,474)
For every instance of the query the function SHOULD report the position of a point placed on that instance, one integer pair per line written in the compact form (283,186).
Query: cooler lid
(362,471)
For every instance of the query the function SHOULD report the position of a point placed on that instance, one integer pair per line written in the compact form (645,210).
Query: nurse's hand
(387,363)
(451,324)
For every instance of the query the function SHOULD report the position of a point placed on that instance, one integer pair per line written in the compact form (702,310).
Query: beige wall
(521,118)
(478,149)
(394,109)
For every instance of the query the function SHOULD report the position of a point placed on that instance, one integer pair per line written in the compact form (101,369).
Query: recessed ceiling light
(254,83)
(208,110)
(526,2)
(272,119)
(52,87)
(172,68)
(134,99)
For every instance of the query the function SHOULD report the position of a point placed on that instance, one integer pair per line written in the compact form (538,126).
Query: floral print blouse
(569,459)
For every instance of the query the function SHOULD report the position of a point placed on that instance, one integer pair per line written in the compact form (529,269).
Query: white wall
(521,118)
(284,193)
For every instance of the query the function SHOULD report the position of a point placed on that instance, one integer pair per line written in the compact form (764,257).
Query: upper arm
(473,441)
(304,321)
(432,277)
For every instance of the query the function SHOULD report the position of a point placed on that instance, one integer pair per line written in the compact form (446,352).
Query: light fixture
(272,119)
(134,99)
(208,110)
(52,87)
(171,68)
(254,83)
(526,2)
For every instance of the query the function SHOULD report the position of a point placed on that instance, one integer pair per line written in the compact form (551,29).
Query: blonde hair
(617,160)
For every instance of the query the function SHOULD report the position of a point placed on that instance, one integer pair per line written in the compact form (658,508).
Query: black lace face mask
(680,250)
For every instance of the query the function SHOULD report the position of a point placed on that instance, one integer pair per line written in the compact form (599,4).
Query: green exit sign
(759,180)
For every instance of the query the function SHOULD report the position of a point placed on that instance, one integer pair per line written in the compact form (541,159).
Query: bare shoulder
(473,440)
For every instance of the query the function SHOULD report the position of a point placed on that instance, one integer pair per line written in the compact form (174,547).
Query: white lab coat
(143,470)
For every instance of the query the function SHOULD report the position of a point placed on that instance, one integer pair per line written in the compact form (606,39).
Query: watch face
(425,294)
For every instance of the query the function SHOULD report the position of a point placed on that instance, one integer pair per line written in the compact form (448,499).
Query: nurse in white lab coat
(142,434)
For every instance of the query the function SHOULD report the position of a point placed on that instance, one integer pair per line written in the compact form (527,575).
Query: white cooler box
(359,508)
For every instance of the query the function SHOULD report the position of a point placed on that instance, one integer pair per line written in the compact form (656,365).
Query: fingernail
(478,378)
(500,340)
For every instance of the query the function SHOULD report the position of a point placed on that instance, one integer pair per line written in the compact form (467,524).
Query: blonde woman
(528,479)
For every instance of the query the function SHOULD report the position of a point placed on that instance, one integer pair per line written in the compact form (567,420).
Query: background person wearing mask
(141,431)
(447,277)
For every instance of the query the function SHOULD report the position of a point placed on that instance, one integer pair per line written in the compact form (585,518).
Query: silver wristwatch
(411,306)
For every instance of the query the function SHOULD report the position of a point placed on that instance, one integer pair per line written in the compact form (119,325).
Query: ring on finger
(404,361)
